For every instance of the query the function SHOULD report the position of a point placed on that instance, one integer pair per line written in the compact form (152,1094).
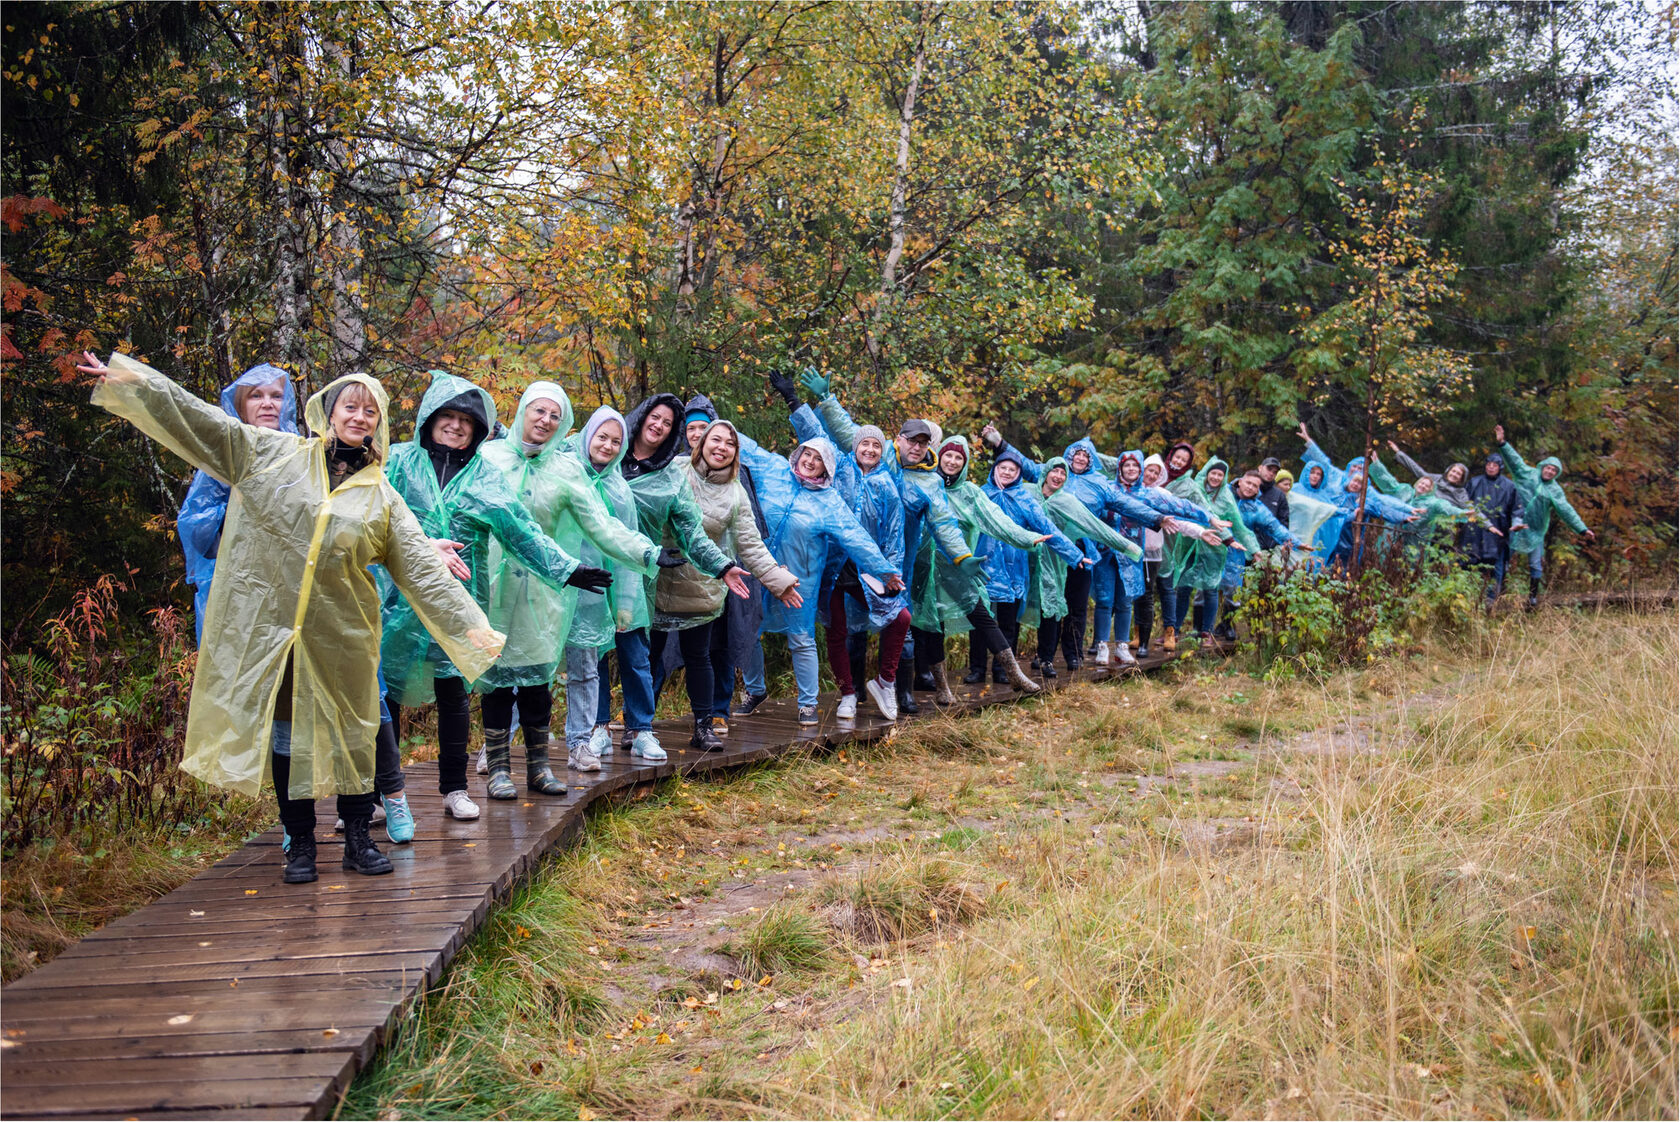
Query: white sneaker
(1102,654)
(646,745)
(1128,660)
(378,817)
(484,761)
(581,758)
(457,805)
(847,709)
(600,742)
(883,697)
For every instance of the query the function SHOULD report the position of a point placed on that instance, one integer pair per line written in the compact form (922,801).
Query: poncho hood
(1089,447)
(729,474)
(1154,460)
(674,440)
(596,419)
(261,375)
(1009,455)
(536,392)
(450,391)
(699,403)
(958,442)
(1551,461)
(1049,465)
(319,407)
(1136,456)
(824,448)
(1188,464)
(1207,469)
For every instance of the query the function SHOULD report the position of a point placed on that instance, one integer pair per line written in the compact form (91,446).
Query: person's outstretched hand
(791,598)
(736,578)
(991,436)
(814,383)
(892,582)
(92,365)
(450,553)
(1589,535)
(1303,431)
(783,385)
(1499,434)
(1393,447)
(590,580)
(671,557)
(1210,536)
(1219,523)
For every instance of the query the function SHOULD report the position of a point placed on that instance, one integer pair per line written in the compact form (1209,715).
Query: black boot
(704,739)
(1000,675)
(498,752)
(974,675)
(1047,670)
(360,854)
(924,681)
(300,859)
(901,687)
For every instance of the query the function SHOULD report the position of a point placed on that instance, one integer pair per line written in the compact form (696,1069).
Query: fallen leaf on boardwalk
(329,1033)
(234,984)
(250,892)
(471,845)
(181,1019)
(195,913)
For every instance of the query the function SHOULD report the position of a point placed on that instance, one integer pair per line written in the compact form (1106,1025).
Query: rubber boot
(1534,590)
(498,750)
(924,682)
(704,739)
(300,859)
(942,694)
(901,686)
(360,854)
(1017,677)
(539,776)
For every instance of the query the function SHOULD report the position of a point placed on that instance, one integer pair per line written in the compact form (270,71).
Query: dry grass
(1443,886)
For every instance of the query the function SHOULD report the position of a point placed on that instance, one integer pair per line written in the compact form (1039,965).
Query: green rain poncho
(1197,564)
(1047,586)
(1436,510)
(474,506)
(1540,497)
(623,606)
(665,502)
(558,492)
(293,585)
(946,600)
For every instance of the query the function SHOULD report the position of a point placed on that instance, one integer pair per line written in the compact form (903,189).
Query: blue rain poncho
(300,550)
(200,522)
(1540,497)
(807,520)
(559,494)
(1333,490)
(1157,499)
(1008,567)
(623,606)
(1047,586)
(873,497)
(473,505)
(1091,487)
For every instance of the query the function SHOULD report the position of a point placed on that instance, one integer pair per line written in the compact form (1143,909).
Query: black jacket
(1276,500)
(1496,499)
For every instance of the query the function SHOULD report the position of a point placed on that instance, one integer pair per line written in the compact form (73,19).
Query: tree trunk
(349,312)
(288,163)
(900,189)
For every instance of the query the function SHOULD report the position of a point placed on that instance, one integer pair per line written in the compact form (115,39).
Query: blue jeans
(1207,612)
(1498,565)
(752,671)
(806,669)
(1105,579)
(583,688)
(1123,618)
(636,676)
(1181,605)
(1536,566)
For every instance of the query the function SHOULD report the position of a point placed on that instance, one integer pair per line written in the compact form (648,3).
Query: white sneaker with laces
(1128,660)
(581,758)
(484,761)
(1102,654)
(646,745)
(601,742)
(847,709)
(882,695)
(457,805)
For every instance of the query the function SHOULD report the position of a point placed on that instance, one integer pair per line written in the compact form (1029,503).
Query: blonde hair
(354,393)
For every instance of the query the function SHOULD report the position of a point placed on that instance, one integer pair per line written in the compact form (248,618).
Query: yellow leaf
(585,1114)
(662,1038)
(250,892)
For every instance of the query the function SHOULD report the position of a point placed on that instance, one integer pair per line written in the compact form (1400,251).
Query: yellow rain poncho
(293,584)
(560,495)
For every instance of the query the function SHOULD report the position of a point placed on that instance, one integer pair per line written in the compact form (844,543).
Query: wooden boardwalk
(240,996)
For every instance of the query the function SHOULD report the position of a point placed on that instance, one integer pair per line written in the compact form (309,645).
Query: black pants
(1008,623)
(1049,632)
(1078,588)
(696,645)
(387,761)
(536,707)
(454,718)
(931,644)
(298,815)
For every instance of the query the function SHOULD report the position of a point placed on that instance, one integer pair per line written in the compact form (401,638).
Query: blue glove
(813,382)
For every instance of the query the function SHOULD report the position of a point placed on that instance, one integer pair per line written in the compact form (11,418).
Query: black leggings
(1049,631)
(298,815)
(931,644)
(1078,588)
(1008,622)
(454,718)
(536,707)
(696,644)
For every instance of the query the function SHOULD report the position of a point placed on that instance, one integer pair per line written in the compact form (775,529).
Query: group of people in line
(340,579)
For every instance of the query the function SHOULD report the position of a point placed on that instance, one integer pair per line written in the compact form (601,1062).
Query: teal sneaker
(399,822)
(646,745)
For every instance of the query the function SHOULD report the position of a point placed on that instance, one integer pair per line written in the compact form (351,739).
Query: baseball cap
(916,428)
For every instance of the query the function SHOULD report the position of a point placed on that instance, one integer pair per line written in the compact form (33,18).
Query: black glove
(590,580)
(783,385)
(670,558)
